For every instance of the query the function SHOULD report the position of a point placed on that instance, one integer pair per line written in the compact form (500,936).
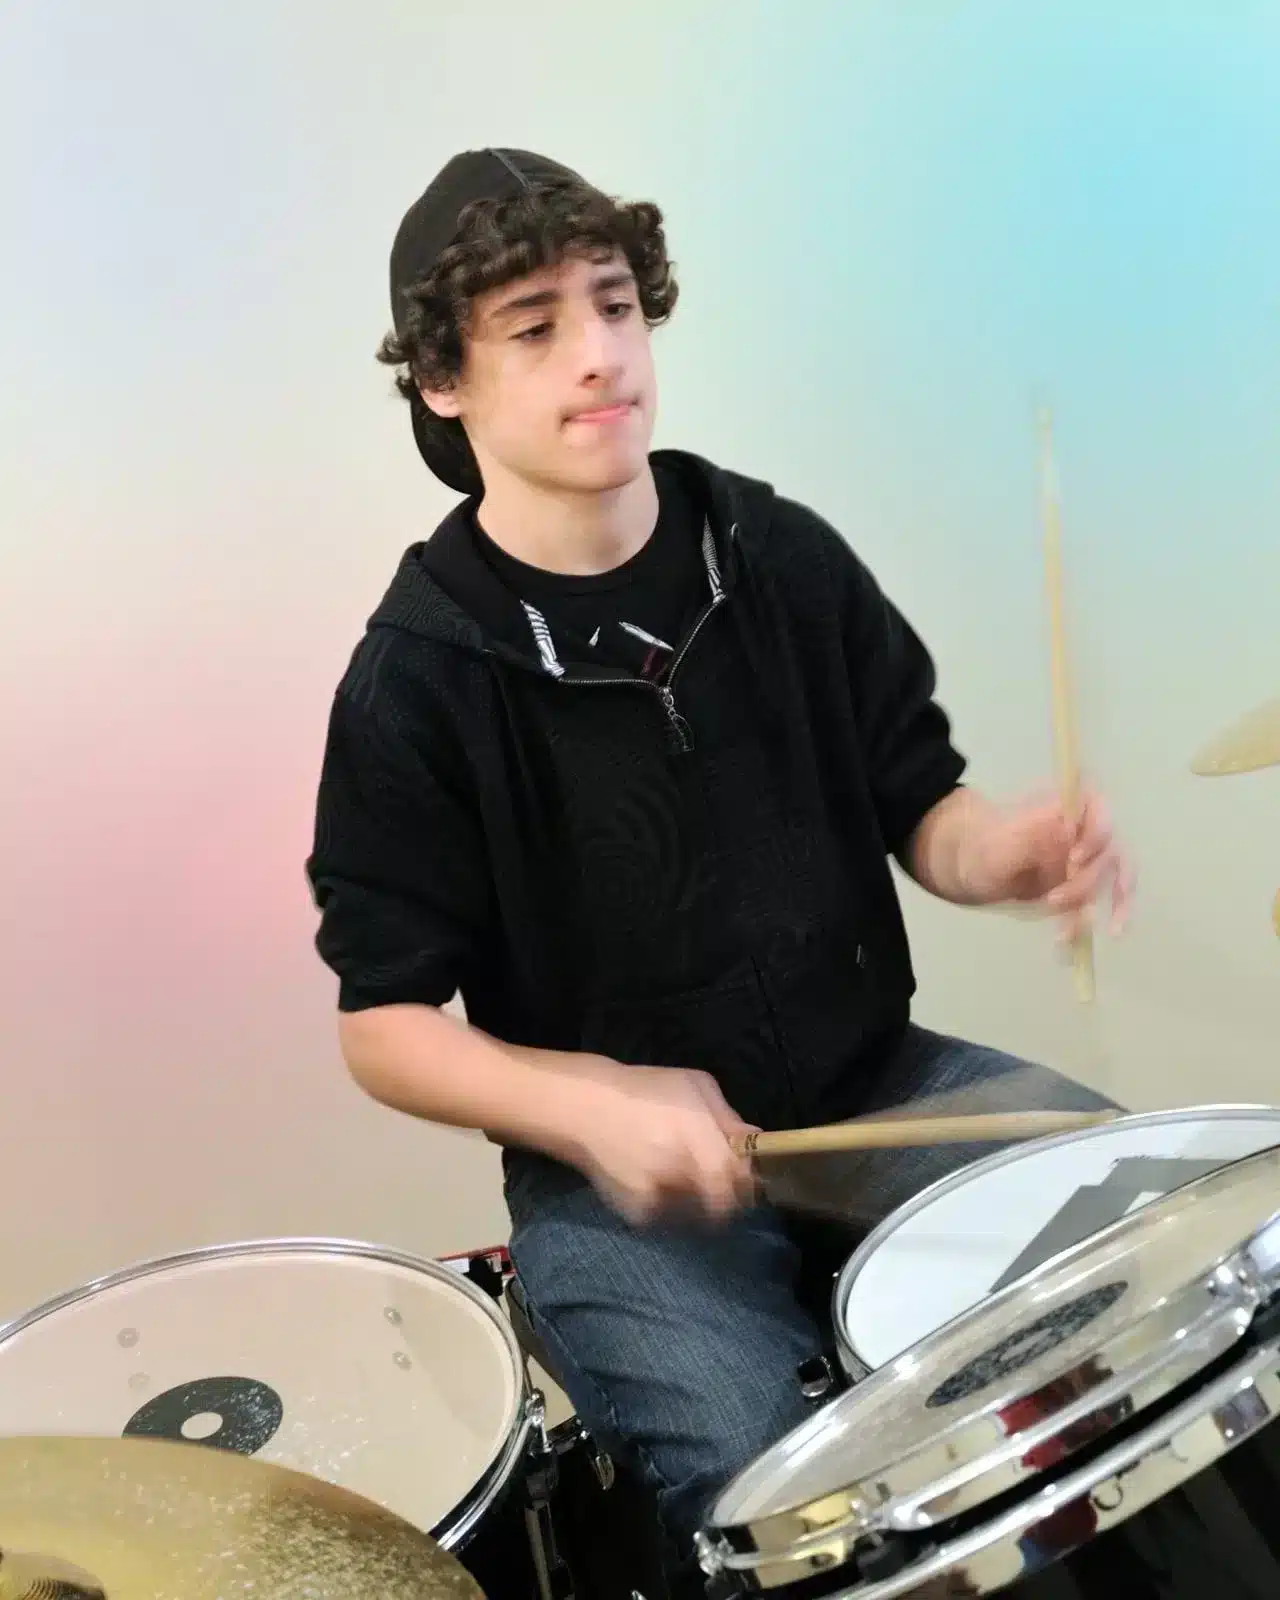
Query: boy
(622,759)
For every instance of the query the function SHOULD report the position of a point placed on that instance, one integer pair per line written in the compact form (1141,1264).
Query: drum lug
(816,1379)
(602,1466)
(544,1457)
(537,1413)
(707,1552)
(571,1435)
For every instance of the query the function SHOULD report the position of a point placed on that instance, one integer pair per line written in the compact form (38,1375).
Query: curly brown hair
(497,242)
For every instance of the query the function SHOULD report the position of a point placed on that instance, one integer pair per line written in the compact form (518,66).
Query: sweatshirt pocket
(725,1028)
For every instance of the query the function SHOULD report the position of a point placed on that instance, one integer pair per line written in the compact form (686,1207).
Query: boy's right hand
(655,1140)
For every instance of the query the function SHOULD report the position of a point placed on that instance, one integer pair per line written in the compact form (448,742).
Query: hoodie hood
(443,584)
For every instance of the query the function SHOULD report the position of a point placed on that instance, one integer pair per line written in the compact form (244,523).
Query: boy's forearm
(421,1061)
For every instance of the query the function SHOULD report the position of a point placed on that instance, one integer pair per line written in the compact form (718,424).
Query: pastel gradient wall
(895,225)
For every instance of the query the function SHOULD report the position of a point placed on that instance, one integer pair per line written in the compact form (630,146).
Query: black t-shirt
(634,616)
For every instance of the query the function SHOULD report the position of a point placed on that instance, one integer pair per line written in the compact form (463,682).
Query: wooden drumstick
(1064,721)
(873,1134)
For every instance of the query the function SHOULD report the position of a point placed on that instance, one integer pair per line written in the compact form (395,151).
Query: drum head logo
(242,1413)
(1025,1345)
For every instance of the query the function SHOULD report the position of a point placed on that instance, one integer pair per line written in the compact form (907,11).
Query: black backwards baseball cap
(429,227)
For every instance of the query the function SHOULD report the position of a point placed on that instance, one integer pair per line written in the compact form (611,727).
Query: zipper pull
(680,729)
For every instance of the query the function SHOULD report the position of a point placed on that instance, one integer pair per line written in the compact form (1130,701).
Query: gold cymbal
(1246,746)
(147,1519)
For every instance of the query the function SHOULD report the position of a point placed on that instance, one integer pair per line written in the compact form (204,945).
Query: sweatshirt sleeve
(905,734)
(399,867)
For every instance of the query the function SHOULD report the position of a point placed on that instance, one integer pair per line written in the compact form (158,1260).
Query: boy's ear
(441,402)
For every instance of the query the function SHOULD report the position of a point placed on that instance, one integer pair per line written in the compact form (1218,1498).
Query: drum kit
(290,1417)
(1058,1374)
(1059,1368)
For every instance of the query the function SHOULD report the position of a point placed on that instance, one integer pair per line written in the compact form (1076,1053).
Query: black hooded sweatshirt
(692,873)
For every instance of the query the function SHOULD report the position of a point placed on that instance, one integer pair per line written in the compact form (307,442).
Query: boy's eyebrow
(548,297)
(526,302)
(618,279)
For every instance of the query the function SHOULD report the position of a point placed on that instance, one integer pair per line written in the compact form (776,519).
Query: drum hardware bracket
(555,1581)
(486,1277)
(554,1576)
(1266,1321)
(719,1581)
(878,1559)
(724,1586)
(1113,1499)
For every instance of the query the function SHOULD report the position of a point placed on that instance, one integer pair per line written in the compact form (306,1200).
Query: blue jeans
(679,1344)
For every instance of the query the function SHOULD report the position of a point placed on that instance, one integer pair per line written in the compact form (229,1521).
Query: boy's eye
(529,335)
(617,309)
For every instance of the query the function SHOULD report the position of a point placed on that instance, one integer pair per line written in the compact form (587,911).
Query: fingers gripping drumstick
(1064,721)
(880,1134)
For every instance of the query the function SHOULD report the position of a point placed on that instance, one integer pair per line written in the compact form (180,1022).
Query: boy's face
(557,385)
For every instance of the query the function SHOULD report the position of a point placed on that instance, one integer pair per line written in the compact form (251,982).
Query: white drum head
(391,1377)
(965,1237)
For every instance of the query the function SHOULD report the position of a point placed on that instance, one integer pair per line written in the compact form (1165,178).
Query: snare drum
(1102,1425)
(974,1232)
(392,1376)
